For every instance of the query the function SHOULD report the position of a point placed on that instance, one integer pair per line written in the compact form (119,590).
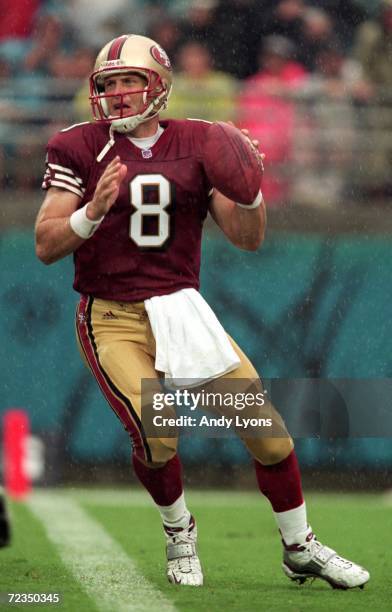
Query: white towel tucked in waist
(191,345)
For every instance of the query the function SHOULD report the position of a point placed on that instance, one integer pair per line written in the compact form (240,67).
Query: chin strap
(107,146)
(128,124)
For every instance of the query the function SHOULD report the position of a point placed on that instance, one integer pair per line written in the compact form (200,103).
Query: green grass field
(104,550)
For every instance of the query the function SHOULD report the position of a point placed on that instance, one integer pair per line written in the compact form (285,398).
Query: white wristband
(255,204)
(82,225)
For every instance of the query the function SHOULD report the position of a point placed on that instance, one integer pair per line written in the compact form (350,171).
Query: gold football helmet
(138,54)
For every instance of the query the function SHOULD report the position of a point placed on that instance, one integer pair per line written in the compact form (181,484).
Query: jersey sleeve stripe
(63,169)
(55,183)
(70,179)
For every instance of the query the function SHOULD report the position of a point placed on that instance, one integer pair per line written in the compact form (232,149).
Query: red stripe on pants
(110,391)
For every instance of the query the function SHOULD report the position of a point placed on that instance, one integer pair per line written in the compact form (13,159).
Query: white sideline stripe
(99,563)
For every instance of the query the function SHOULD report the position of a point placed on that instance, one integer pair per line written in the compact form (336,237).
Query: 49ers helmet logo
(160,56)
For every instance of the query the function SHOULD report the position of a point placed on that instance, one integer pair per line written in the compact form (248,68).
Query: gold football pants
(117,344)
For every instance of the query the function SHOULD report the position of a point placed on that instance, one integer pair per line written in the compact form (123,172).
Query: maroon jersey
(149,242)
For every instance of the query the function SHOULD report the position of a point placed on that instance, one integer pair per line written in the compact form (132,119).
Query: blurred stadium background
(312,80)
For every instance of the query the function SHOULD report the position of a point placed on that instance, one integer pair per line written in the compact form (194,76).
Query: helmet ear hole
(99,86)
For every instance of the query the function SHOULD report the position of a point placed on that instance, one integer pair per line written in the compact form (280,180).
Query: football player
(127,195)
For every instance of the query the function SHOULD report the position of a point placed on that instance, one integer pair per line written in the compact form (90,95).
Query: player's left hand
(253,141)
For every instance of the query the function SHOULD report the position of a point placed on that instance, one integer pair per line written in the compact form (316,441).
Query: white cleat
(310,559)
(183,565)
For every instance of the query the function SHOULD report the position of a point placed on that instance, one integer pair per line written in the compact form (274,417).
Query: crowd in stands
(311,80)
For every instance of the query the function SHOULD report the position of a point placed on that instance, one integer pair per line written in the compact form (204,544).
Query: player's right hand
(107,189)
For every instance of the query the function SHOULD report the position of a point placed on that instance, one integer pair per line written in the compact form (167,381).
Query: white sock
(177,514)
(293,524)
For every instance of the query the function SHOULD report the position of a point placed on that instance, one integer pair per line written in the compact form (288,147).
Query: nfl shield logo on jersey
(146,153)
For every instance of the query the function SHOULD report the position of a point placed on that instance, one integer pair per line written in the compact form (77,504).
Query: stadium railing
(325,154)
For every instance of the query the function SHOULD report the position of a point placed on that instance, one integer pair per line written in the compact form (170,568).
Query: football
(232,164)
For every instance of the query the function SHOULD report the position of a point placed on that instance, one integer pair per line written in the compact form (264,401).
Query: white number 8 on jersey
(150,194)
